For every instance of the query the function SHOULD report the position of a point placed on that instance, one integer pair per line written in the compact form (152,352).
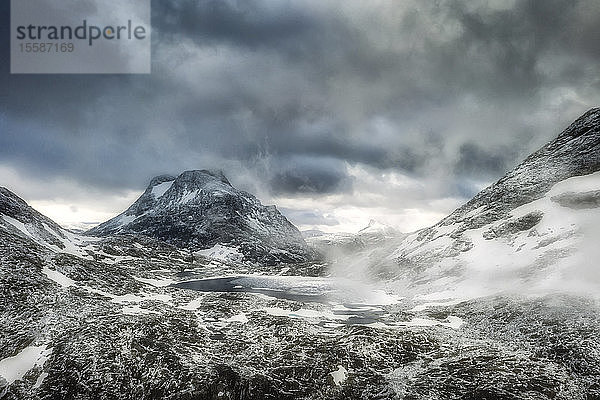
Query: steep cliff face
(199,210)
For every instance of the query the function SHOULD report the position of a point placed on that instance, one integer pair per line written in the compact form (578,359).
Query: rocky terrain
(497,301)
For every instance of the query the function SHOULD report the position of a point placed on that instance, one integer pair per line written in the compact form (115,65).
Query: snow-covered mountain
(376,228)
(200,209)
(539,222)
(375,231)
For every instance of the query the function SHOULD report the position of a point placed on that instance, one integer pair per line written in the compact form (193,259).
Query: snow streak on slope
(221,252)
(58,240)
(160,189)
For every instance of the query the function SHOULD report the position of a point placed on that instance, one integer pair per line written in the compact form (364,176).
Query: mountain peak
(372,224)
(157,180)
(200,209)
(202,176)
(197,177)
(376,227)
(187,186)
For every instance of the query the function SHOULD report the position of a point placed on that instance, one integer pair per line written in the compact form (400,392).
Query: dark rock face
(199,209)
(524,223)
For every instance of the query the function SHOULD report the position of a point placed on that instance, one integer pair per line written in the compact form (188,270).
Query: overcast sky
(335,111)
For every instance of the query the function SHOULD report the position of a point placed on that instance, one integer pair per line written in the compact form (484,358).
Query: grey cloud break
(82,32)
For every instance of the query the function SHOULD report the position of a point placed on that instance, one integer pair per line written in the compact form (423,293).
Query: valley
(198,291)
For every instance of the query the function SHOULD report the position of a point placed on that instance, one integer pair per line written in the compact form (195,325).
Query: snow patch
(193,305)
(125,219)
(14,368)
(584,183)
(134,298)
(155,282)
(137,310)
(241,318)
(58,277)
(40,380)
(339,376)
(160,189)
(451,322)
(17,224)
(222,253)
(189,196)
(73,244)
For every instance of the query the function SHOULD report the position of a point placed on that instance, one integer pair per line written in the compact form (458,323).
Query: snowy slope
(546,243)
(535,227)
(17,217)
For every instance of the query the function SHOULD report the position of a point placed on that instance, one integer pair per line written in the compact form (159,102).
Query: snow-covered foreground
(220,329)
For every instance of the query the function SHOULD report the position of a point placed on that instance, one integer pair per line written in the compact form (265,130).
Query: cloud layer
(314,104)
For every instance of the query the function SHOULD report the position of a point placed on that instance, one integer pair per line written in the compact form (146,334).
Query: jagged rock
(523,223)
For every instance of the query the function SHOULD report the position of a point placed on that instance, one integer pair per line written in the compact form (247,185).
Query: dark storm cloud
(292,93)
(308,217)
(311,175)
(506,46)
(473,160)
(244,23)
